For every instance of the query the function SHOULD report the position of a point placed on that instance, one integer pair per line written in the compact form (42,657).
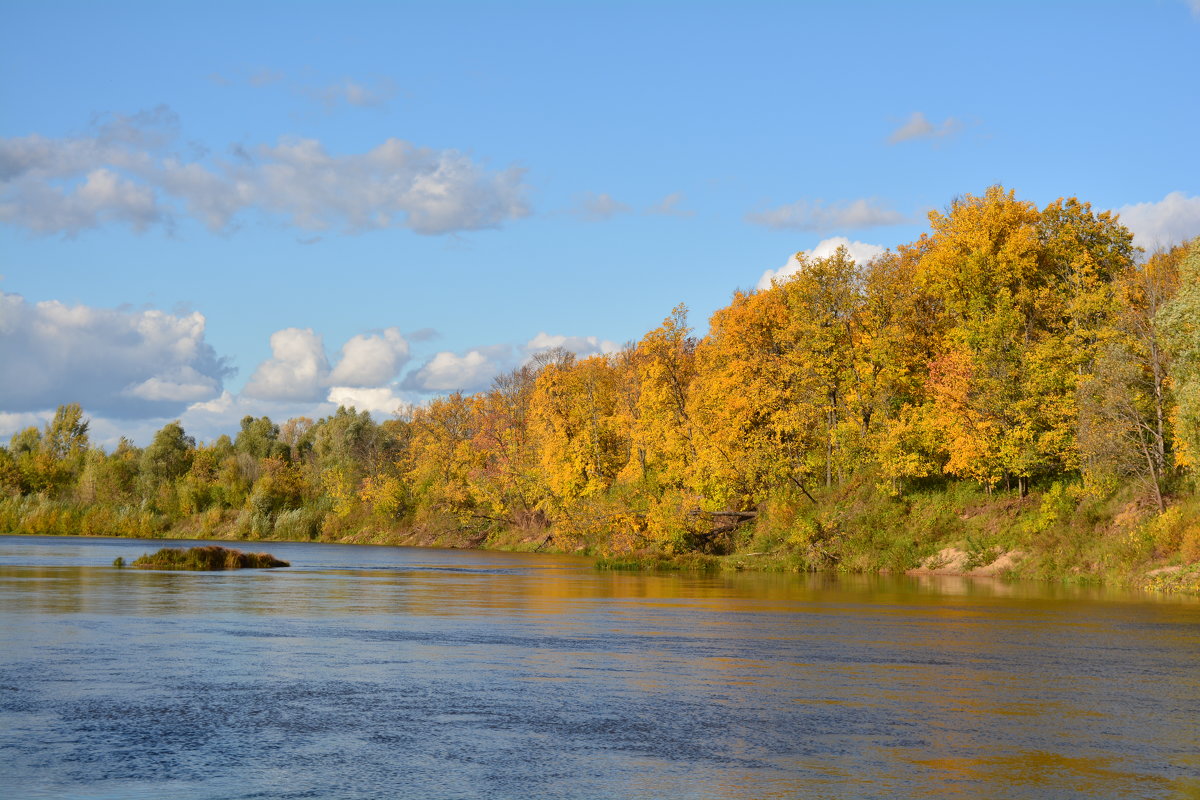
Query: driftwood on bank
(737,520)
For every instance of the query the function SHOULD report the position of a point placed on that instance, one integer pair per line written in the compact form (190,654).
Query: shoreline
(949,562)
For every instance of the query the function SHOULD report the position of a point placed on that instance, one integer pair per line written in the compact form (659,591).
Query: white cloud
(450,372)
(119,174)
(208,420)
(918,127)
(181,385)
(1174,219)
(598,207)
(11,423)
(815,216)
(582,346)
(474,370)
(218,405)
(380,400)
(297,369)
(116,362)
(861,252)
(102,197)
(371,360)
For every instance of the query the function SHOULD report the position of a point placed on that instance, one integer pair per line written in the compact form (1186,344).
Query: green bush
(206,558)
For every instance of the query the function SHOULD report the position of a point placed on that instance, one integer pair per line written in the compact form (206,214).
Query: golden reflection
(963,688)
(1047,772)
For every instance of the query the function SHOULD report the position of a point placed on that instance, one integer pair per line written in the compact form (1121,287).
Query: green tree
(259,438)
(169,455)
(1179,321)
(1124,429)
(67,434)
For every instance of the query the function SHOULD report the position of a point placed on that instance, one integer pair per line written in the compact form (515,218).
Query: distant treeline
(1011,349)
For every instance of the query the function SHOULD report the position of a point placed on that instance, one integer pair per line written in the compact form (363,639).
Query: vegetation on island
(1018,386)
(207,558)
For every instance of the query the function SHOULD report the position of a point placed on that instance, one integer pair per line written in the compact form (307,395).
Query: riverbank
(1061,534)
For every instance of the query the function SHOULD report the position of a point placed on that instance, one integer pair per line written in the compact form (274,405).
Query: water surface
(401,672)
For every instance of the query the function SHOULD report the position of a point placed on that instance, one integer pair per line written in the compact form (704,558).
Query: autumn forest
(1017,380)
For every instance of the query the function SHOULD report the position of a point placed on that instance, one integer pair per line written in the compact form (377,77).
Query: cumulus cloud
(919,127)
(222,415)
(379,400)
(1174,219)
(475,369)
(217,405)
(123,173)
(582,346)
(11,423)
(115,362)
(371,359)
(102,197)
(449,372)
(208,420)
(299,371)
(598,207)
(296,370)
(861,252)
(815,216)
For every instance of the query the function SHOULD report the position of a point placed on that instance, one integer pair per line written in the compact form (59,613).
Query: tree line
(1009,347)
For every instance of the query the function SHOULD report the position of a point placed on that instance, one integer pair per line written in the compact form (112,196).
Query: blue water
(363,672)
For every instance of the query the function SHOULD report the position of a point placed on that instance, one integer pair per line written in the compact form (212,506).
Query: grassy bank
(1064,532)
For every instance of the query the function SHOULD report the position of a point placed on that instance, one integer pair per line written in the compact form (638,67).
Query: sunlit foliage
(1008,348)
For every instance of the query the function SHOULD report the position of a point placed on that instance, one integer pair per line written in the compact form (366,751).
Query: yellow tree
(662,432)
(1004,389)
(440,454)
(755,424)
(575,415)
(901,330)
(824,330)
(504,480)
(1179,324)
(1086,254)
(778,397)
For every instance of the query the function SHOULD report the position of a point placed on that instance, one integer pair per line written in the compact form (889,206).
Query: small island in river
(209,558)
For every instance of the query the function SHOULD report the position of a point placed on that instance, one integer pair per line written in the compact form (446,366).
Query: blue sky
(214,209)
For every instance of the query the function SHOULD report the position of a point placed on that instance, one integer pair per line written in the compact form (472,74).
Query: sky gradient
(219,209)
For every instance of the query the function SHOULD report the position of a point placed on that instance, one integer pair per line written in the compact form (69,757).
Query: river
(380,672)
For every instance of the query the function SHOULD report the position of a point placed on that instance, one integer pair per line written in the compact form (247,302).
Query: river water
(377,672)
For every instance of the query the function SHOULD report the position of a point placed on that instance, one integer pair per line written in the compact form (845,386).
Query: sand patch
(954,561)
